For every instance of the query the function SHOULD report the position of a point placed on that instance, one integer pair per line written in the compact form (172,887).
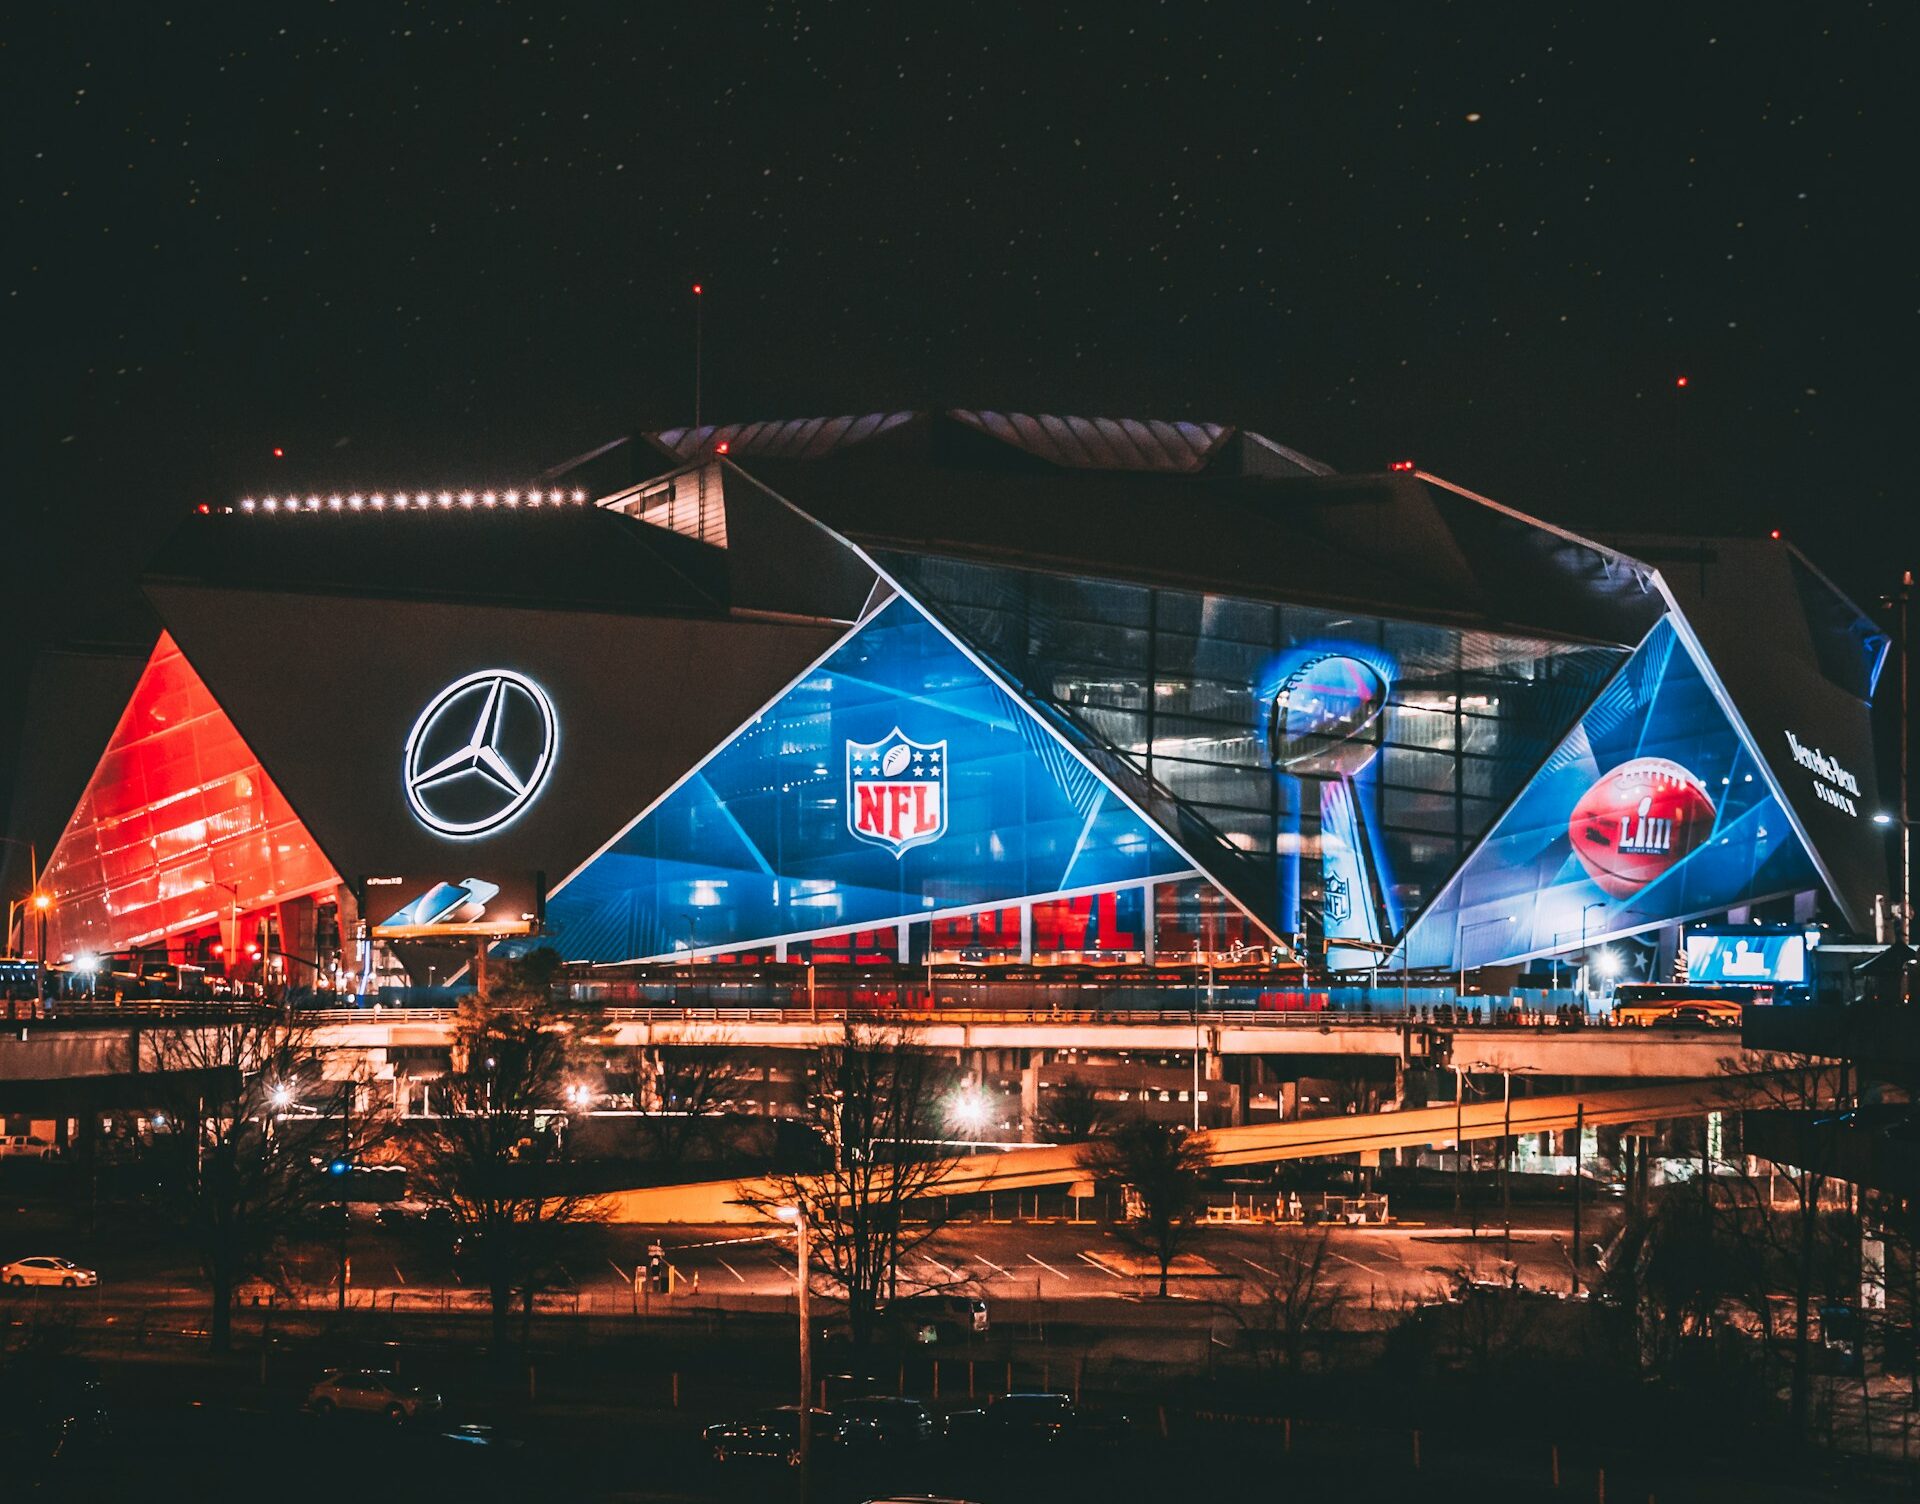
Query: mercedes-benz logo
(480,752)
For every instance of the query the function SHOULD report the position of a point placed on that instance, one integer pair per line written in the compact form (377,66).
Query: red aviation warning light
(1775,535)
(722,447)
(1401,465)
(279,453)
(1679,381)
(698,289)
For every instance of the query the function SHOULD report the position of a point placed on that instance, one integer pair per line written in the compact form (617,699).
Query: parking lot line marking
(1046,1266)
(625,1278)
(995,1267)
(1270,1273)
(1098,1265)
(1355,1262)
(733,1271)
(398,1275)
(950,1273)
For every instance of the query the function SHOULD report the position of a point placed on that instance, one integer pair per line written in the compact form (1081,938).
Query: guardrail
(909,1018)
(1234,1018)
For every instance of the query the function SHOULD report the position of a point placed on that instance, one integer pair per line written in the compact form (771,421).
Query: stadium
(960,689)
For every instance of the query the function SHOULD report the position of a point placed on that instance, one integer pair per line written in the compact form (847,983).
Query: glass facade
(1338,766)
(179,828)
(895,781)
(1652,810)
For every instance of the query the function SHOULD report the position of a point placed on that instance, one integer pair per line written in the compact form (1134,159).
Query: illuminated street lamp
(42,902)
(969,1111)
(797,1215)
(1586,978)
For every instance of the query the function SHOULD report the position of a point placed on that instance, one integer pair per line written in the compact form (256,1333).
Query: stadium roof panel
(561,557)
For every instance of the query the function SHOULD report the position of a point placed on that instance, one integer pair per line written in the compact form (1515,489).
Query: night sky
(452,244)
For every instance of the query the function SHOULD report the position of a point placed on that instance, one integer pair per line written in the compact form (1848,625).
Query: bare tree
(1788,1117)
(1293,1297)
(247,1115)
(684,1089)
(880,1105)
(497,1159)
(1164,1165)
(1073,1112)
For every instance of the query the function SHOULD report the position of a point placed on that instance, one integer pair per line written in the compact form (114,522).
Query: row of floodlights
(419,501)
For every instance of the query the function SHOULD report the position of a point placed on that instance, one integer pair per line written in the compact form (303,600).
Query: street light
(797,1215)
(1586,977)
(42,901)
(1888,821)
(969,1109)
(1506,1145)
(33,885)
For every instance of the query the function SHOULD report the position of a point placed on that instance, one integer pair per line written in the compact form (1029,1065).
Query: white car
(44,1269)
(25,1145)
(372,1392)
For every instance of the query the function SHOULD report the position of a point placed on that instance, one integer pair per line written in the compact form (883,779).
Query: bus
(1680,1004)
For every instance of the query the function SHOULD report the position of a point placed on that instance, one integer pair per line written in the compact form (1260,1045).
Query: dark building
(959,685)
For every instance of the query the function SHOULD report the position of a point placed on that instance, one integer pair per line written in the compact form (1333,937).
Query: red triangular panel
(178,824)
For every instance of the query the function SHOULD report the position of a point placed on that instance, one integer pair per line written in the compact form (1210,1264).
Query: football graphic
(1321,722)
(896,760)
(1639,821)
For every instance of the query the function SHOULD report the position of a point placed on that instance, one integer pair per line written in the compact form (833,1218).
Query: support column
(1026,933)
(1030,1096)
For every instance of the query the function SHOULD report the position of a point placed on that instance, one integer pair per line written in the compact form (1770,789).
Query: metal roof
(1103,443)
(792,438)
(1151,446)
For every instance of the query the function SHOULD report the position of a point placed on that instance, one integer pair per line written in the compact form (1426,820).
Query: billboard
(437,742)
(895,780)
(1654,809)
(447,904)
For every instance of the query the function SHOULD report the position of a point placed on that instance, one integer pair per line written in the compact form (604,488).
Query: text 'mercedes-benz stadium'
(959,686)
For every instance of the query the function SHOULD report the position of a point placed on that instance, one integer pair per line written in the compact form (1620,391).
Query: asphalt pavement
(1043,1261)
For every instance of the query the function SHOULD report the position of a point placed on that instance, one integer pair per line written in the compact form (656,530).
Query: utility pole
(1506,1165)
(1459,1141)
(346,1139)
(797,1215)
(1579,1137)
(1906,830)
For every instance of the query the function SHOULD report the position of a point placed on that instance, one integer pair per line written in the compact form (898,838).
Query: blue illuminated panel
(1651,810)
(1748,958)
(896,780)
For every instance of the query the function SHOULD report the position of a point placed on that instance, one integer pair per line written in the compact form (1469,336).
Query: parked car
(1040,1417)
(774,1435)
(952,1317)
(895,1420)
(45,1269)
(914,1320)
(26,1146)
(371,1392)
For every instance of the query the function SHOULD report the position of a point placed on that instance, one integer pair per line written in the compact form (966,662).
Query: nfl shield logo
(1339,903)
(897,791)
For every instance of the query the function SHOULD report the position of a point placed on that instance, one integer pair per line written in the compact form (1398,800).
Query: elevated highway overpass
(725,1201)
(109,1038)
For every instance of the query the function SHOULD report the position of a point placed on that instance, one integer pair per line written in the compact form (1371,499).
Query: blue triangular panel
(895,781)
(1652,810)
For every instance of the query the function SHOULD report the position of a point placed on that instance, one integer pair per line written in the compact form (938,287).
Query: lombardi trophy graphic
(1322,729)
